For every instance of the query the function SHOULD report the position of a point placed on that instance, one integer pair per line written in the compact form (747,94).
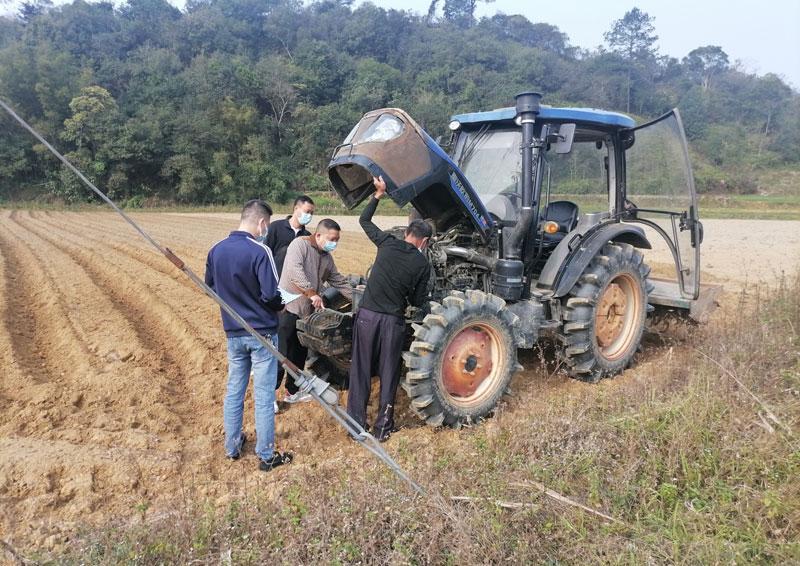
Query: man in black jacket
(398,277)
(282,232)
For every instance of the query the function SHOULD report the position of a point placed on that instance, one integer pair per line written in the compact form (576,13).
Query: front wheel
(604,313)
(462,359)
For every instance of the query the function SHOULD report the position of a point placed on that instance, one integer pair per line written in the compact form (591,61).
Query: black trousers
(377,345)
(289,346)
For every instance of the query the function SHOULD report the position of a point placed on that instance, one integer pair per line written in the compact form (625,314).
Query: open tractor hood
(390,143)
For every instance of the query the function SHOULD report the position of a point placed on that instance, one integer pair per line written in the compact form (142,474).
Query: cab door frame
(686,254)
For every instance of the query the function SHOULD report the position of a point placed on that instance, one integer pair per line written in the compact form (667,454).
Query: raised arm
(374,233)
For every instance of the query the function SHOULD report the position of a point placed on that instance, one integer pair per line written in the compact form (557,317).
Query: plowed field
(112,367)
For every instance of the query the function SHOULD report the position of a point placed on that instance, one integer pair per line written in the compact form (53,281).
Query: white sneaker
(276,407)
(299,397)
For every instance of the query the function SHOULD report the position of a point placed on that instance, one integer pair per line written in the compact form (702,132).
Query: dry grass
(680,453)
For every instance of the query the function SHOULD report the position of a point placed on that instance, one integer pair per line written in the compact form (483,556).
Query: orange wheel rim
(616,317)
(470,363)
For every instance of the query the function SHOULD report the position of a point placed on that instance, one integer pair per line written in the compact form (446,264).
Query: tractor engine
(452,272)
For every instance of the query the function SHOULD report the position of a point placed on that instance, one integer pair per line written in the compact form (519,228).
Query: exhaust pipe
(527,109)
(471,256)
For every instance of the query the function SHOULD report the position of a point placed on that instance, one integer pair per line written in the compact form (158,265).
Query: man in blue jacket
(241,270)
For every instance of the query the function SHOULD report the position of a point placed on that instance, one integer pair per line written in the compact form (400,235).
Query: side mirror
(564,138)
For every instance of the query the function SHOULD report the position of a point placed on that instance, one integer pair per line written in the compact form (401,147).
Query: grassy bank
(765,207)
(694,455)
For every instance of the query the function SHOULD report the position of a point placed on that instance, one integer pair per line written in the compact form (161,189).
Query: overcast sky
(764,36)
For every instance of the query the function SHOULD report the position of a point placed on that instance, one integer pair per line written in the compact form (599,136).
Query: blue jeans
(246,353)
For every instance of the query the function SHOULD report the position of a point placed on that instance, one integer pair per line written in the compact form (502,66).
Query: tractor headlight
(454,125)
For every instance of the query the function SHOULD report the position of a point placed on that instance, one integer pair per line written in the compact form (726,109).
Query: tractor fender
(575,252)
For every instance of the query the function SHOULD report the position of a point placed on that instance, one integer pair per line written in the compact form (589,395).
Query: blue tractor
(540,216)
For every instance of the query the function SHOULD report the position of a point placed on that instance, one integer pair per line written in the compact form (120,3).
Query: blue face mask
(329,246)
(263,237)
(305,218)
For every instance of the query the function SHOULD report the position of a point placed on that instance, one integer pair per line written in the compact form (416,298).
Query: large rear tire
(462,359)
(604,313)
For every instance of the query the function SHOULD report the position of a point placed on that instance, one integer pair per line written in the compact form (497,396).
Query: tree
(460,12)
(29,10)
(632,38)
(94,128)
(704,63)
(277,91)
(518,28)
(230,99)
(94,119)
(148,21)
(769,94)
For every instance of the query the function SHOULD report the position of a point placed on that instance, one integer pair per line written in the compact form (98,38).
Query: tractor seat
(565,213)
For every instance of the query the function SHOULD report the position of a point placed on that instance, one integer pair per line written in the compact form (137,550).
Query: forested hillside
(235,98)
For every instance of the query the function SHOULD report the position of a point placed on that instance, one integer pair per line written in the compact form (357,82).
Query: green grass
(763,207)
(326,203)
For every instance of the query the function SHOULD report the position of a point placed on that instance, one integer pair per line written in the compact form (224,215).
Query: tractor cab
(574,180)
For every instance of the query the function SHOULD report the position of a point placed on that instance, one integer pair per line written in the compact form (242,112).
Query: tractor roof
(581,117)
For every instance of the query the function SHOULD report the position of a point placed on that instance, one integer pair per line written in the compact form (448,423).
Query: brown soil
(112,367)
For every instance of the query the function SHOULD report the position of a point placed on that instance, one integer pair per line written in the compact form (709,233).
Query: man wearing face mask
(307,267)
(399,276)
(241,271)
(282,232)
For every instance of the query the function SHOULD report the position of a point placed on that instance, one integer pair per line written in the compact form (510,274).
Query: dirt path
(734,251)
(113,367)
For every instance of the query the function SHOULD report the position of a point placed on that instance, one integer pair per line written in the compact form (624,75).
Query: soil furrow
(35,316)
(143,254)
(170,285)
(171,343)
(49,357)
(104,330)
(185,242)
(10,373)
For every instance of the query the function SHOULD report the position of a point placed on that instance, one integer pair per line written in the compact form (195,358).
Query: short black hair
(303,199)
(328,224)
(419,229)
(256,209)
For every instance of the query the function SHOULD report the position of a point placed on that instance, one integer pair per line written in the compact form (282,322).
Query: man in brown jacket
(307,266)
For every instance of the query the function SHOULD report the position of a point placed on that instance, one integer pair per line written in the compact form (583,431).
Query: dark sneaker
(238,454)
(276,460)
